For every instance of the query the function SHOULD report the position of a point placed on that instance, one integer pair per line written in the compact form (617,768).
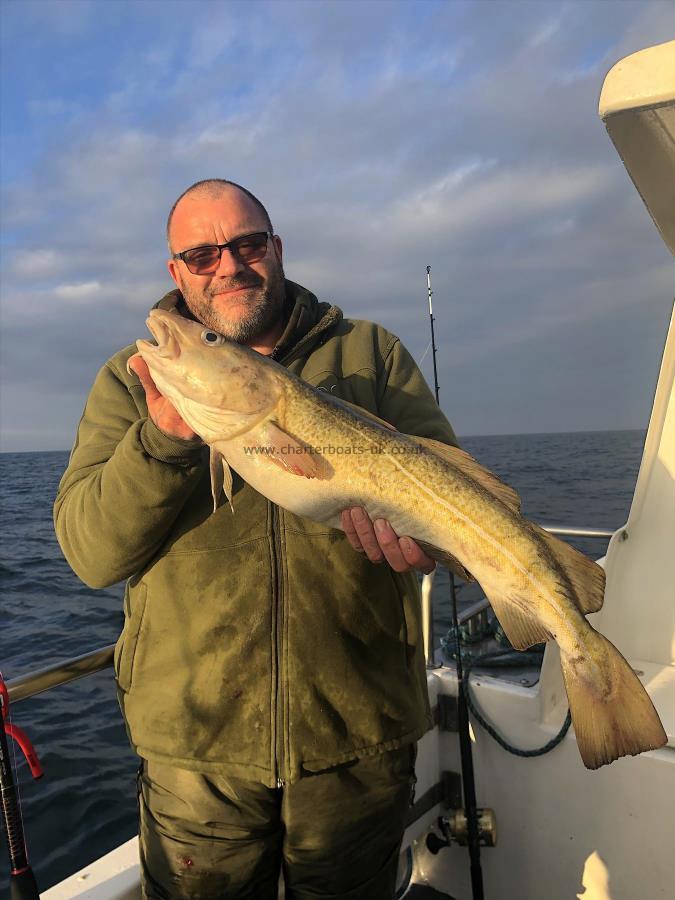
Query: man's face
(241,300)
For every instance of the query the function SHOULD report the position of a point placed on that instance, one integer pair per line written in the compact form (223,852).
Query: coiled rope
(452,644)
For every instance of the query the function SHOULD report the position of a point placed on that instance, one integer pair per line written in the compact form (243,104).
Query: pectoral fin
(221,478)
(292,454)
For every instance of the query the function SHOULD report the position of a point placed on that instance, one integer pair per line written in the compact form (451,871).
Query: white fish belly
(384,488)
(312,498)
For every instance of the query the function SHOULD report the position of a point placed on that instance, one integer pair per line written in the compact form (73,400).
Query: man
(271,679)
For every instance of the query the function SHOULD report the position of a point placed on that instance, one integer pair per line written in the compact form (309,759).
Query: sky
(383,137)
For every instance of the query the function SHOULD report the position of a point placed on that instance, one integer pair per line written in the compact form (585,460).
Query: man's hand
(379,541)
(163,413)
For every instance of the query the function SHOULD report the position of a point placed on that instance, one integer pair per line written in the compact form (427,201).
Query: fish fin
(613,714)
(217,474)
(360,411)
(221,478)
(291,454)
(227,481)
(586,576)
(520,627)
(447,559)
(471,467)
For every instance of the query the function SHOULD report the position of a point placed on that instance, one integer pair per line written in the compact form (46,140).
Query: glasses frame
(225,246)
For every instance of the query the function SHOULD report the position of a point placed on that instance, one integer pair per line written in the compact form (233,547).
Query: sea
(85,805)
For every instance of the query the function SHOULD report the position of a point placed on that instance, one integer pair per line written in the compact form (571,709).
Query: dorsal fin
(454,455)
(471,467)
(360,411)
(586,576)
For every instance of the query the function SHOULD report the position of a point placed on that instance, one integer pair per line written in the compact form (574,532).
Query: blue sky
(383,137)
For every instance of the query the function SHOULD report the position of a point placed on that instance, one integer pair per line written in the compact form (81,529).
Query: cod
(315,456)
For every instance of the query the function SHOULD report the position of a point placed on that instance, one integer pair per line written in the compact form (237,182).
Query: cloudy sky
(383,137)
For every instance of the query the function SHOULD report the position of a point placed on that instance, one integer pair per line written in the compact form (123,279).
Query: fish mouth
(168,346)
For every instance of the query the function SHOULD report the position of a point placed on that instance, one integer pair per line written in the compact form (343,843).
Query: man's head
(242,300)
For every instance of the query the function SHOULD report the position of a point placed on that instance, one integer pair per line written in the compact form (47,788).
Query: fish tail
(612,713)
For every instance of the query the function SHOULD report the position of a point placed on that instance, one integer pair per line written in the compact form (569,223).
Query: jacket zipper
(278,636)
(292,354)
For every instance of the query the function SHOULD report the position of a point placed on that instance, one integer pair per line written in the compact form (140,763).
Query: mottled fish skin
(315,456)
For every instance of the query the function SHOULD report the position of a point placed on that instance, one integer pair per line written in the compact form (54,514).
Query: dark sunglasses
(248,248)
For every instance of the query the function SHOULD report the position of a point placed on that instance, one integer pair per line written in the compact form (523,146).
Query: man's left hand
(379,542)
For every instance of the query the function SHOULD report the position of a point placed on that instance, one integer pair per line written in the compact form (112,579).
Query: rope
(452,644)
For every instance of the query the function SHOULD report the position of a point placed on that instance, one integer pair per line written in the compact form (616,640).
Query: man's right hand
(163,413)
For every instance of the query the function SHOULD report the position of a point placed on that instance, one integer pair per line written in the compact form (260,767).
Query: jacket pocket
(403,614)
(409,595)
(125,649)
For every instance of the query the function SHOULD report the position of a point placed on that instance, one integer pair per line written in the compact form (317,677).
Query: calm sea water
(85,805)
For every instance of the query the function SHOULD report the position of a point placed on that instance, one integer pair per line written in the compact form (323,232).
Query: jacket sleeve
(404,398)
(125,484)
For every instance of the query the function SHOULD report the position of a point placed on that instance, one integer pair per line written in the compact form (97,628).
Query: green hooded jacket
(258,644)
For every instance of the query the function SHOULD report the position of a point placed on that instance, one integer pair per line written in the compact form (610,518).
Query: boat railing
(478,609)
(25,686)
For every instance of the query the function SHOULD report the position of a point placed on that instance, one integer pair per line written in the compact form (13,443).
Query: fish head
(217,385)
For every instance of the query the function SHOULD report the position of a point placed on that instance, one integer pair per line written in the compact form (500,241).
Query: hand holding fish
(162,412)
(379,542)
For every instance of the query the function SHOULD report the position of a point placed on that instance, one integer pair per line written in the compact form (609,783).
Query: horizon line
(459,436)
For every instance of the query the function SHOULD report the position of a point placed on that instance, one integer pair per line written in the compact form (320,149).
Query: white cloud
(501,197)
(78,293)
(211,38)
(37,263)
(546,32)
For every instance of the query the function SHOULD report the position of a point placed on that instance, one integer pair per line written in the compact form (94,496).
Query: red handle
(19,734)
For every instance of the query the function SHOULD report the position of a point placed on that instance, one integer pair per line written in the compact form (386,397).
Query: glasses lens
(247,249)
(202,260)
(251,247)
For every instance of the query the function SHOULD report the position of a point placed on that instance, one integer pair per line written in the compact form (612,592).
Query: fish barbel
(315,456)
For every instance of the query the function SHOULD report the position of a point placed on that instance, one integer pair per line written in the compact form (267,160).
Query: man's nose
(229,264)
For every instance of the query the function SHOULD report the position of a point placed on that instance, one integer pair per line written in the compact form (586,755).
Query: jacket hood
(307,318)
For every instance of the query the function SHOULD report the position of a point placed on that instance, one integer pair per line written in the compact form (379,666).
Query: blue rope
(452,644)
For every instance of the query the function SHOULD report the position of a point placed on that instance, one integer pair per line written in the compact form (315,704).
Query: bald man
(271,678)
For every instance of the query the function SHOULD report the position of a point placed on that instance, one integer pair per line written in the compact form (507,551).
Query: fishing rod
(468,780)
(22,882)
(433,338)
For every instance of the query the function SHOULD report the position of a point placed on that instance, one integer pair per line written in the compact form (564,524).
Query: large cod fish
(279,434)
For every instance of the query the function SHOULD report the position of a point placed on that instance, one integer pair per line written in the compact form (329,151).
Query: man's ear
(172,266)
(278,246)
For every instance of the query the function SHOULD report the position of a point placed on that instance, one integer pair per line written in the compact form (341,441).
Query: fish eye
(212,338)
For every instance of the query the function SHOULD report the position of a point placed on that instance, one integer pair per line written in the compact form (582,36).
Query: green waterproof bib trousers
(336,835)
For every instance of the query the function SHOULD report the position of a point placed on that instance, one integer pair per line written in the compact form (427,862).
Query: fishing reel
(454,827)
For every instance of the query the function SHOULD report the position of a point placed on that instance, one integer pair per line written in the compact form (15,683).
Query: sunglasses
(248,248)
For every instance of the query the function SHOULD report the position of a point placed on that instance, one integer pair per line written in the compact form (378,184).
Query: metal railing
(25,686)
(481,605)
(33,683)
(579,532)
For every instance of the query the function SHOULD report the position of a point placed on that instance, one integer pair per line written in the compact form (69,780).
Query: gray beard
(266,309)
